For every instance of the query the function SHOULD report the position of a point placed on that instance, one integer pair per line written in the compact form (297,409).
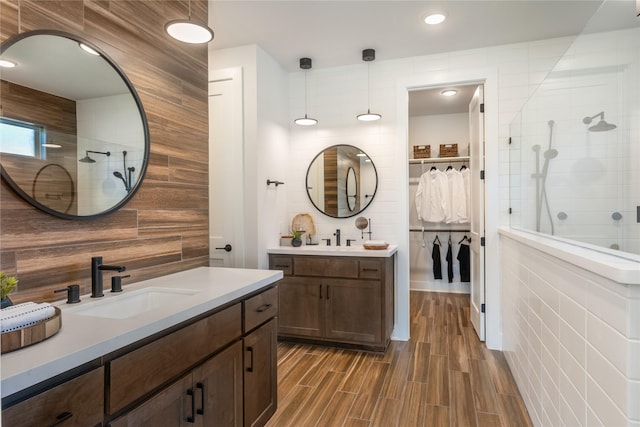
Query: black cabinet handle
(328,291)
(370,269)
(201,387)
(282,265)
(61,418)
(320,286)
(263,308)
(192,419)
(226,247)
(250,368)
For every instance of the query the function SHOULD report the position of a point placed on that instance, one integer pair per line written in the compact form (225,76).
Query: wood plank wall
(164,229)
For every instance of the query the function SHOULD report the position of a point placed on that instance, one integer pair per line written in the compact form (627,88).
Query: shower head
(601,126)
(87,159)
(118,175)
(536,148)
(551,154)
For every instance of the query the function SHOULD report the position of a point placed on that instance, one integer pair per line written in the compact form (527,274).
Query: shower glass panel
(575,146)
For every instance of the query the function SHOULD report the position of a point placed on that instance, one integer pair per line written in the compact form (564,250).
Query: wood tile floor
(443,376)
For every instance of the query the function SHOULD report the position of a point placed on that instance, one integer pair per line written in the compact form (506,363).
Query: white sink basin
(131,304)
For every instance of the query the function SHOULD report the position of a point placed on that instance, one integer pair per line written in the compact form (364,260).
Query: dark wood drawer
(283,263)
(81,398)
(370,269)
(326,266)
(144,369)
(260,308)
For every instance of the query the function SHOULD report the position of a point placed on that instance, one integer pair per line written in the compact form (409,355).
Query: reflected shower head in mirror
(601,126)
(87,159)
(551,153)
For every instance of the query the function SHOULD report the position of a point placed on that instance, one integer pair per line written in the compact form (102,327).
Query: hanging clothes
(466,182)
(450,263)
(437,262)
(432,196)
(456,210)
(465,262)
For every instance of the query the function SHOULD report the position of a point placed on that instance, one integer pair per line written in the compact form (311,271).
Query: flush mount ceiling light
(305,64)
(6,63)
(435,18)
(369,55)
(449,92)
(88,49)
(189,31)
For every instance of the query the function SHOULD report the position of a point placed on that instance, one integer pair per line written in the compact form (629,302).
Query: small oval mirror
(330,187)
(352,189)
(74,140)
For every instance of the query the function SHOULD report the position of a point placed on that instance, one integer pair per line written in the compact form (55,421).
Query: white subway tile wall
(567,341)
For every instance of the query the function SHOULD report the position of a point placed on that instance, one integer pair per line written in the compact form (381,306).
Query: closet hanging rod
(438,230)
(438,160)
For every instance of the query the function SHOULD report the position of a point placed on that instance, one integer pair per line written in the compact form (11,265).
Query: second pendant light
(305,64)
(369,55)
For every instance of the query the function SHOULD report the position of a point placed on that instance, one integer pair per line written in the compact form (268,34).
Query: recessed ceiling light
(7,64)
(88,49)
(435,18)
(449,92)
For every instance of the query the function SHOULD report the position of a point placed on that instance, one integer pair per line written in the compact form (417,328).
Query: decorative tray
(15,340)
(376,246)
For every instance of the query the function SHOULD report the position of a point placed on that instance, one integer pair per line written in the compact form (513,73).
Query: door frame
(488,76)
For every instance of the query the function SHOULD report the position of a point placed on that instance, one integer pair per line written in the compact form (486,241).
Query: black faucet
(337,234)
(96,275)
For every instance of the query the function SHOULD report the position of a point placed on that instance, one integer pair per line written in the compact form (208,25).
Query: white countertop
(357,250)
(84,338)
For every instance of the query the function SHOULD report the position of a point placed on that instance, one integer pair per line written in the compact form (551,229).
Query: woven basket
(421,151)
(448,150)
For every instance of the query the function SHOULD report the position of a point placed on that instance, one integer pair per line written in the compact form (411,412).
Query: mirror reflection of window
(21,138)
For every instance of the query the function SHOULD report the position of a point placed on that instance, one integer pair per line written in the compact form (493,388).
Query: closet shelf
(438,230)
(438,160)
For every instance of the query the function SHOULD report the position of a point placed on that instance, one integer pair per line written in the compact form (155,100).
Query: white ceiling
(334,32)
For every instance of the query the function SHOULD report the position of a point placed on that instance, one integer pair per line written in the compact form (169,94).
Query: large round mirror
(74,140)
(341,181)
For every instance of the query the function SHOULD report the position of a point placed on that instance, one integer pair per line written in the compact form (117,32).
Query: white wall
(265,151)
(337,95)
(573,337)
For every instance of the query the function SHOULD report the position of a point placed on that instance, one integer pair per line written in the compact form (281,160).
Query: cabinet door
(170,408)
(301,305)
(353,310)
(260,374)
(77,402)
(218,388)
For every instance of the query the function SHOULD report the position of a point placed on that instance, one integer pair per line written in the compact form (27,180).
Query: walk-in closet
(442,159)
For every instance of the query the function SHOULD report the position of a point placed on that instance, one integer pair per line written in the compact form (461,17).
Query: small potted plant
(296,241)
(7,285)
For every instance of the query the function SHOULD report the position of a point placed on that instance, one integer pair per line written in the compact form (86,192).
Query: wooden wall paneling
(47,252)
(29,228)
(158,167)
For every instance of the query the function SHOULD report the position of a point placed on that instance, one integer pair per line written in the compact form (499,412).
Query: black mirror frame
(375,190)
(145,125)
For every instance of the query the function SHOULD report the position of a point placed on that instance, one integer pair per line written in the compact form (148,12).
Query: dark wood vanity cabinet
(340,300)
(219,369)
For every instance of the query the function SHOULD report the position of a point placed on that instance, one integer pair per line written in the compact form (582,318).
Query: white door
(226,183)
(476,162)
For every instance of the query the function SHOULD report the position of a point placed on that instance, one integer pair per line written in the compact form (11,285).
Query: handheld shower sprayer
(126,180)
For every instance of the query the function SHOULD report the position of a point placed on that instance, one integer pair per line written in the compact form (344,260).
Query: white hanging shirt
(456,210)
(466,179)
(432,196)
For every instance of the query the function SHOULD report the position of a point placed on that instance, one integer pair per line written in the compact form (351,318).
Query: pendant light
(305,64)
(368,55)
(189,31)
